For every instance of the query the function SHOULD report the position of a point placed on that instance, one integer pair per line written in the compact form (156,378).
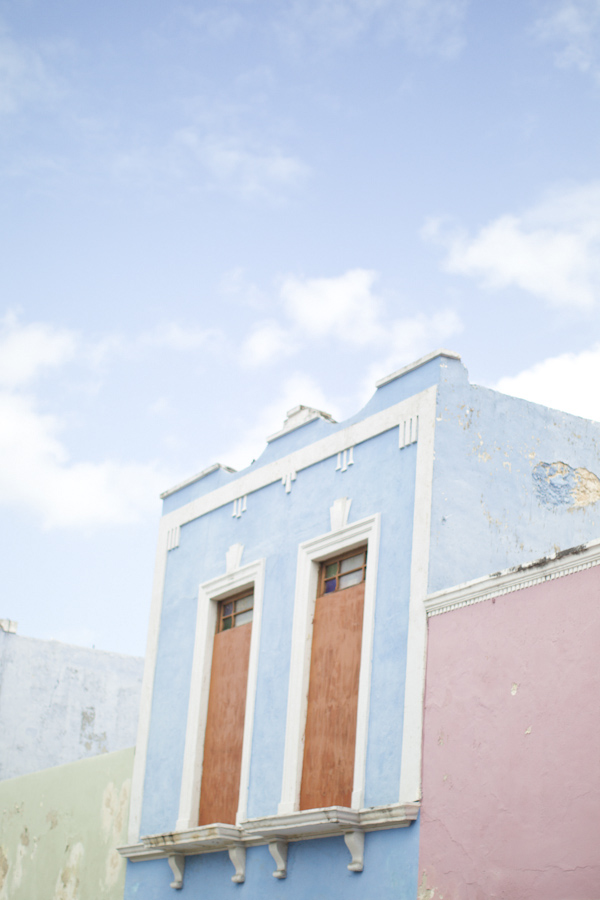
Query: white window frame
(310,554)
(209,595)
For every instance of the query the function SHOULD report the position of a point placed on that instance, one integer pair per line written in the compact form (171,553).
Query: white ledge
(298,826)
(564,562)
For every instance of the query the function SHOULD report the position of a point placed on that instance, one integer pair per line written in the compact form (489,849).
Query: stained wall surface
(511,481)
(60,703)
(511,767)
(59,830)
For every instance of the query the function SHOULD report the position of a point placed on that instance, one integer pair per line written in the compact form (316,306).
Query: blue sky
(215,211)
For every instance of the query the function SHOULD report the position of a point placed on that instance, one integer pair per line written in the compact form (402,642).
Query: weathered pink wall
(511,762)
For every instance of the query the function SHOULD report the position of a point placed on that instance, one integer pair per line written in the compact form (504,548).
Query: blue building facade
(440,482)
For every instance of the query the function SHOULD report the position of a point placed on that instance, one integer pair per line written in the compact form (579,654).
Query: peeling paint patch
(559,485)
(3,867)
(514,688)
(67,884)
(425,893)
(87,735)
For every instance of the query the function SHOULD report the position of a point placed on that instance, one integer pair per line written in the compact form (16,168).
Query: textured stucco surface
(60,703)
(59,830)
(512,481)
(511,767)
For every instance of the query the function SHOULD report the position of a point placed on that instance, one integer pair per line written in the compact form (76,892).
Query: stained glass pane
(352,578)
(244,617)
(227,623)
(330,586)
(227,609)
(331,569)
(353,562)
(244,603)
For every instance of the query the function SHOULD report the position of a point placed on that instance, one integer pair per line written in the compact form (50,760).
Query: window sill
(276,831)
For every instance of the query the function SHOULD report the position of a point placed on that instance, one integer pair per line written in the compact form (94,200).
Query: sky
(212,212)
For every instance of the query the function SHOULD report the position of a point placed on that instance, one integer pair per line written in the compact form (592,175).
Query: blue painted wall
(512,481)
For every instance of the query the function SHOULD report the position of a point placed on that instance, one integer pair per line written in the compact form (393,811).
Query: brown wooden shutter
(220,789)
(330,735)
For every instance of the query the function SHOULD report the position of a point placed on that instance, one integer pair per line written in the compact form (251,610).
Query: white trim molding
(421,404)
(416,644)
(209,593)
(565,562)
(274,831)
(325,448)
(310,554)
(143,731)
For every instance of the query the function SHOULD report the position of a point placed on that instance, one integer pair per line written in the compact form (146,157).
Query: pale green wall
(59,829)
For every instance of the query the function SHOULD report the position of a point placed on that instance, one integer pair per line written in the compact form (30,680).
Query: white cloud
(344,306)
(37,474)
(24,77)
(26,350)
(568,382)
(242,166)
(409,339)
(426,26)
(268,343)
(574,27)
(550,250)
(297,389)
(345,310)
(172,336)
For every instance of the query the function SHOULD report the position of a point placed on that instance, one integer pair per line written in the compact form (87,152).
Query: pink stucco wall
(511,754)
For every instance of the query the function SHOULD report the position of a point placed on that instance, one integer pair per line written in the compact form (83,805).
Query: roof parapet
(449,354)
(298,416)
(195,478)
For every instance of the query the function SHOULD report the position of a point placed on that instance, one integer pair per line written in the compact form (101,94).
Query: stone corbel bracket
(279,850)
(355,842)
(237,855)
(177,863)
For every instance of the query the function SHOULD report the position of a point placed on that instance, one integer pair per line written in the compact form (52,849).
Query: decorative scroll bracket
(177,863)
(355,842)
(279,851)
(237,855)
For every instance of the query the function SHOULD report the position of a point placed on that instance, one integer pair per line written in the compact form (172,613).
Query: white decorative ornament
(177,864)
(409,432)
(287,481)
(355,842)
(279,851)
(338,513)
(173,537)
(237,855)
(239,506)
(233,557)
(345,458)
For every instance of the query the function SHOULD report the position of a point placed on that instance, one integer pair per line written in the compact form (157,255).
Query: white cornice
(566,562)
(299,826)
(261,476)
(449,354)
(194,478)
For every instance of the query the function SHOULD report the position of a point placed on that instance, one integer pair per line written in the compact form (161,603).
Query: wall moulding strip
(567,562)
(303,458)
(305,825)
